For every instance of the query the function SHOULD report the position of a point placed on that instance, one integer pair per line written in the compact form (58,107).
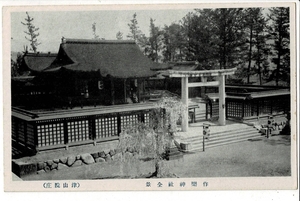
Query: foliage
(258,51)
(119,35)
(153,139)
(137,35)
(16,66)
(31,32)
(95,36)
(279,32)
(155,41)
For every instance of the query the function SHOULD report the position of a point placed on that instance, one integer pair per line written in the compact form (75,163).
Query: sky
(53,25)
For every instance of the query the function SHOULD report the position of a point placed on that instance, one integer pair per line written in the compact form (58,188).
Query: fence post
(243,109)
(92,130)
(203,142)
(35,136)
(66,140)
(25,135)
(119,123)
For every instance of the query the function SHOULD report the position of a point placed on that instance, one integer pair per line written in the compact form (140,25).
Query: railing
(61,129)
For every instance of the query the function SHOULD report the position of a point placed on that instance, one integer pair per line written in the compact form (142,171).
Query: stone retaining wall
(22,169)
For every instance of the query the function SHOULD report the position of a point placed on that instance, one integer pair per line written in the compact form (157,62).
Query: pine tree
(31,32)
(95,36)
(137,35)
(119,35)
(155,41)
(257,47)
(279,32)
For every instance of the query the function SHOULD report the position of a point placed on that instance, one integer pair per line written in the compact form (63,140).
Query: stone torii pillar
(222,96)
(220,77)
(185,101)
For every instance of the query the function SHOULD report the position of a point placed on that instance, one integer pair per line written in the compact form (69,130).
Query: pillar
(184,99)
(222,95)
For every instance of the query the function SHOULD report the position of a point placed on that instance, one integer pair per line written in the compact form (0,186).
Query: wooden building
(95,72)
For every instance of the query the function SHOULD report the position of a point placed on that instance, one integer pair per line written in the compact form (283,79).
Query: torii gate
(219,74)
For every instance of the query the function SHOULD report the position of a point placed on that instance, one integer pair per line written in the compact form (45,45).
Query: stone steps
(222,138)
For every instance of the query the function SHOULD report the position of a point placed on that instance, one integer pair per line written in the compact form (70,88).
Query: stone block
(54,166)
(49,162)
(108,158)
(56,160)
(87,158)
(61,166)
(102,154)
(95,155)
(77,163)
(71,160)
(78,157)
(21,168)
(41,165)
(112,152)
(63,160)
(99,160)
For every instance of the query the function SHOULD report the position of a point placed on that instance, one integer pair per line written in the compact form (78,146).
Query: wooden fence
(53,130)
(241,108)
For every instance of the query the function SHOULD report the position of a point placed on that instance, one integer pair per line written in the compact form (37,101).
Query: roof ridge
(95,41)
(41,54)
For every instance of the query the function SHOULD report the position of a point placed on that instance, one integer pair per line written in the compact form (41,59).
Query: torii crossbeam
(220,82)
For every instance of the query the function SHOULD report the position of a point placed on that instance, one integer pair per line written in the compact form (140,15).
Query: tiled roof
(38,61)
(117,58)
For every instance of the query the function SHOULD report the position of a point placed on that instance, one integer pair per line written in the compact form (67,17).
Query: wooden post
(119,123)
(243,109)
(125,92)
(222,95)
(66,139)
(92,130)
(184,99)
(112,88)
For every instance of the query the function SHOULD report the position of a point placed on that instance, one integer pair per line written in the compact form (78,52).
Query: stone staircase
(222,138)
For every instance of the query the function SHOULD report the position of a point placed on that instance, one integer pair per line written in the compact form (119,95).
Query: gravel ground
(266,157)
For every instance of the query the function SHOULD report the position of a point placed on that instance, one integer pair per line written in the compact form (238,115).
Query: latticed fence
(54,131)
(240,108)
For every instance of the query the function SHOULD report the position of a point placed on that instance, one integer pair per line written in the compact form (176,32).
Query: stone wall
(22,169)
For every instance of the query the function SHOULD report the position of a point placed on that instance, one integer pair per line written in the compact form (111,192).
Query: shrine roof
(117,58)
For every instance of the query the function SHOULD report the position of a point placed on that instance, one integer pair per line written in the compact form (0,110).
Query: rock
(50,162)
(41,165)
(54,166)
(61,166)
(117,157)
(47,168)
(41,172)
(101,154)
(95,155)
(71,160)
(112,152)
(77,163)
(87,158)
(106,151)
(56,160)
(99,160)
(78,157)
(63,160)
(108,158)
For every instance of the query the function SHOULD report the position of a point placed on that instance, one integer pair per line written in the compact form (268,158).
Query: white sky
(78,24)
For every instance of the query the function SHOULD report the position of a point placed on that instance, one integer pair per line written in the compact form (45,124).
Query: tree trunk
(250,54)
